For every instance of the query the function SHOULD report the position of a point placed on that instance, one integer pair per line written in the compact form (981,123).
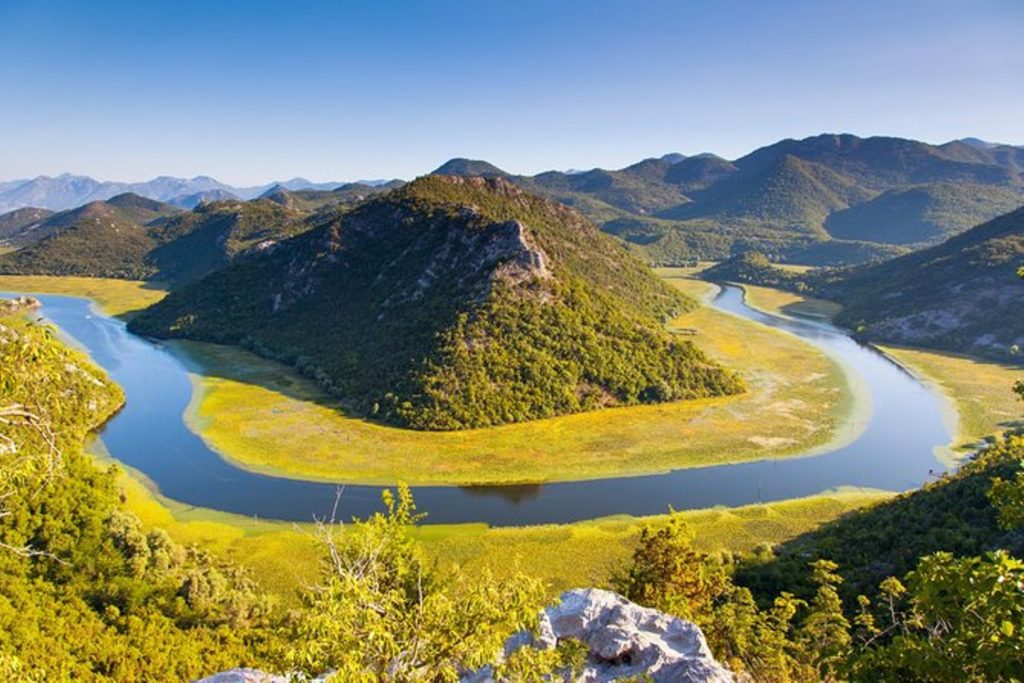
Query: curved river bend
(894,451)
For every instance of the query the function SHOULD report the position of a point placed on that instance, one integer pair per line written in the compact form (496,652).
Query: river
(894,451)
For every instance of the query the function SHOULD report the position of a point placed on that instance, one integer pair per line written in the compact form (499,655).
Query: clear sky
(253,91)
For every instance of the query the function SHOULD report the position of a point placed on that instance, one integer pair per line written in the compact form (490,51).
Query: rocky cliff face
(623,640)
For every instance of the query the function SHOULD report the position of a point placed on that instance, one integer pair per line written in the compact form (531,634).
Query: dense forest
(453,303)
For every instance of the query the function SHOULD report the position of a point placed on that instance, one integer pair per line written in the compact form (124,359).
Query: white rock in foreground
(623,640)
(244,676)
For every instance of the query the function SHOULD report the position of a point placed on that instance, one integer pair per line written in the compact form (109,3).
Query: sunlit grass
(285,557)
(266,417)
(113,297)
(787,303)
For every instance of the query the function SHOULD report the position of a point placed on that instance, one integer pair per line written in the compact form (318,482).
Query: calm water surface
(894,451)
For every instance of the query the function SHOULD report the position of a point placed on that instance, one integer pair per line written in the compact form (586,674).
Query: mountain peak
(468,167)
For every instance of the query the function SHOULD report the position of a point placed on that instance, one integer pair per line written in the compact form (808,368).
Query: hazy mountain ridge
(134,237)
(826,199)
(68,191)
(452,303)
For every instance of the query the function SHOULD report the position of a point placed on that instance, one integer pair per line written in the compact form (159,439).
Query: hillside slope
(961,295)
(453,303)
(137,238)
(101,239)
(17,227)
(823,200)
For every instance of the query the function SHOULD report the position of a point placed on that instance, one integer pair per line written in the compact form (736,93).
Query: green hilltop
(453,303)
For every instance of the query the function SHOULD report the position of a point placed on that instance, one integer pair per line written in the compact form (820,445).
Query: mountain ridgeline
(823,200)
(129,236)
(453,303)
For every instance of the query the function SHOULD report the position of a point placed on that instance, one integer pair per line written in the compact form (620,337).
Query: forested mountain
(16,226)
(133,237)
(104,238)
(828,199)
(822,200)
(451,303)
(960,295)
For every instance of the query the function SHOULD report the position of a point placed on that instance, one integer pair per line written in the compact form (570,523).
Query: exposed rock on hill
(453,303)
(625,641)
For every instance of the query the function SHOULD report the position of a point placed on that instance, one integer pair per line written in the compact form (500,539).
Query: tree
(964,622)
(825,633)
(382,612)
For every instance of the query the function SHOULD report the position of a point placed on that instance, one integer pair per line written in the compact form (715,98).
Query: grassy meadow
(266,417)
(978,391)
(114,297)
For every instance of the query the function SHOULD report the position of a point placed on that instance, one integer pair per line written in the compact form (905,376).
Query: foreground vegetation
(87,593)
(921,587)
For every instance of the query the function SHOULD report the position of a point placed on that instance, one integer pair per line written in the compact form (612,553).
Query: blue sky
(253,91)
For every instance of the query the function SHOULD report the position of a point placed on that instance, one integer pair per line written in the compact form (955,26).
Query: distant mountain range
(70,191)
(820,200)
(823,200)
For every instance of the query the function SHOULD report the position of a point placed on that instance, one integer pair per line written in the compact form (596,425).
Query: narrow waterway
(894,451)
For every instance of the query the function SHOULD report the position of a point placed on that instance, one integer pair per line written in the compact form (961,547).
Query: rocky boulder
(624,640)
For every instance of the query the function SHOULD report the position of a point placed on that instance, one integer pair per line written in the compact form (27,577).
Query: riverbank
(266,418)
(118,298)
(978,391)
(285,557)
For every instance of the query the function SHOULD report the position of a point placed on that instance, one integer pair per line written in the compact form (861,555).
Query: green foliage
(383,613)
(450,304)
(668,574)
(951,514)
(87,594)
(793,199)
(135,238)
(824,634)
(963,622)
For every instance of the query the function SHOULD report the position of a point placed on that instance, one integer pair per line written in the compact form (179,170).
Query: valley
(840,431)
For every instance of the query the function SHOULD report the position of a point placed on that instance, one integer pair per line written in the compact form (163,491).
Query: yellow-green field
(980,390)
(786,303)
(114,297)
(266,417)
(5,249)
(285,557)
